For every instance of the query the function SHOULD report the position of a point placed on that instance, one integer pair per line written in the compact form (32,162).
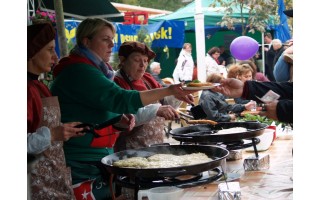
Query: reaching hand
(128,120)
(187,98)
(251,105)
(270,110)
(66,131)
(168,112)
(230,87)
(181,94)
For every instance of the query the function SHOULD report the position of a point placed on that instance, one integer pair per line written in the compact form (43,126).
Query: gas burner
(182,181)
(240,144)
(233,145)
(166,181)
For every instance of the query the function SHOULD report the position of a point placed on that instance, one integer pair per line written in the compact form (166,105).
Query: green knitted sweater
(86,95)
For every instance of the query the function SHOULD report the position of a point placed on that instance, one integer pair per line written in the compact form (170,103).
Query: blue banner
(282,31)
(160,34)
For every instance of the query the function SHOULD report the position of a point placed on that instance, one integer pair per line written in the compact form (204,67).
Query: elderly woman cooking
(134,59)
(84,83)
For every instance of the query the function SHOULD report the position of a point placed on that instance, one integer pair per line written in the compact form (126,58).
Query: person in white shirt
(184,68)
(213,64)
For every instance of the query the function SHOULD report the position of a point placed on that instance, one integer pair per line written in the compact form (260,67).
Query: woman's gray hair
(154,65)
(91,26)
(276,43)
(185,45)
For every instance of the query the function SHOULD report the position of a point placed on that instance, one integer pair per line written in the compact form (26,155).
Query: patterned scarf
(93,57)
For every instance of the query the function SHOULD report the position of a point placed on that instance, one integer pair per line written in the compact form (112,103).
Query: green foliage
(114,61)
(260,13)
(261,119)
(142,36)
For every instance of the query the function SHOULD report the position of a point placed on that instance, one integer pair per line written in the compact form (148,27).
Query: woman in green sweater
(84,84)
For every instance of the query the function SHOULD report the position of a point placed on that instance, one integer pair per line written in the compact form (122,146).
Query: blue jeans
(281,70)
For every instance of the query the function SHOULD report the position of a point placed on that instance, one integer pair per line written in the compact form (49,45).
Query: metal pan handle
(172,172)
(203,181)
(181,137)
(160,144)
(108,122)
(256,140)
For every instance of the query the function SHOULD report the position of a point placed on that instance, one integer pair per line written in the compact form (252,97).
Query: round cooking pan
(214,152)
(207,132)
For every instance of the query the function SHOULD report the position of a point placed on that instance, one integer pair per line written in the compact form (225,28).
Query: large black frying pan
(207,133)
(214,152)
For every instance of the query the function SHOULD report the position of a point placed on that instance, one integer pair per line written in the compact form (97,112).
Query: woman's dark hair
(213,50)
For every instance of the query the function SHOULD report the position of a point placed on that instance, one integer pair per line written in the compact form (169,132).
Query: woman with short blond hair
(84,83)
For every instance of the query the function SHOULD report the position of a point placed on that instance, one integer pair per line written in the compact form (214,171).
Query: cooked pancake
(163,161)
(135,162)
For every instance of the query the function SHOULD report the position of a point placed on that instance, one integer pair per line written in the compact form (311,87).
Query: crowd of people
(86,90)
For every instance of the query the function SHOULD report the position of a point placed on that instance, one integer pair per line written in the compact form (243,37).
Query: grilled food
(135,162)
(202,121)
(198,84)
(163,161)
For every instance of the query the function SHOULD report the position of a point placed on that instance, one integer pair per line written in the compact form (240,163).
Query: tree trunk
(58,7)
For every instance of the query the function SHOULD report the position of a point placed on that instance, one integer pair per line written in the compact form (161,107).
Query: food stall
(202,181)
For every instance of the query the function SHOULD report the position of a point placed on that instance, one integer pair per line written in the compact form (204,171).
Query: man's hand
(187,98)
(230,87)
(270,110)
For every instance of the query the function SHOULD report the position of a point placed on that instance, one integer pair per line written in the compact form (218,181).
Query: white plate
(201,88)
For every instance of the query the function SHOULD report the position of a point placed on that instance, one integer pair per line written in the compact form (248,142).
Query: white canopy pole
(262,54)
(200,41)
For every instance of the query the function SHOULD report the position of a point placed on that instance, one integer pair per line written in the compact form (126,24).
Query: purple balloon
(244,47)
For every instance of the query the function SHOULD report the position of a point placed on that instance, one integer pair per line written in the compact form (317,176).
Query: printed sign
(160,34)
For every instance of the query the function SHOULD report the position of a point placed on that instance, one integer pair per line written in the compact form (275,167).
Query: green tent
(211,15)
(215,35)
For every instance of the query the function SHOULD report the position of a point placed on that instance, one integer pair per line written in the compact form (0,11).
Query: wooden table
(273,183)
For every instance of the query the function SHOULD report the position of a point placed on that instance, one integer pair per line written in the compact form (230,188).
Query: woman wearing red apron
(50,178)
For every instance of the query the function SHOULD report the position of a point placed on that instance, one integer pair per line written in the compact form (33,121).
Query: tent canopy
(211,15)
(214,15)
(81,9)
